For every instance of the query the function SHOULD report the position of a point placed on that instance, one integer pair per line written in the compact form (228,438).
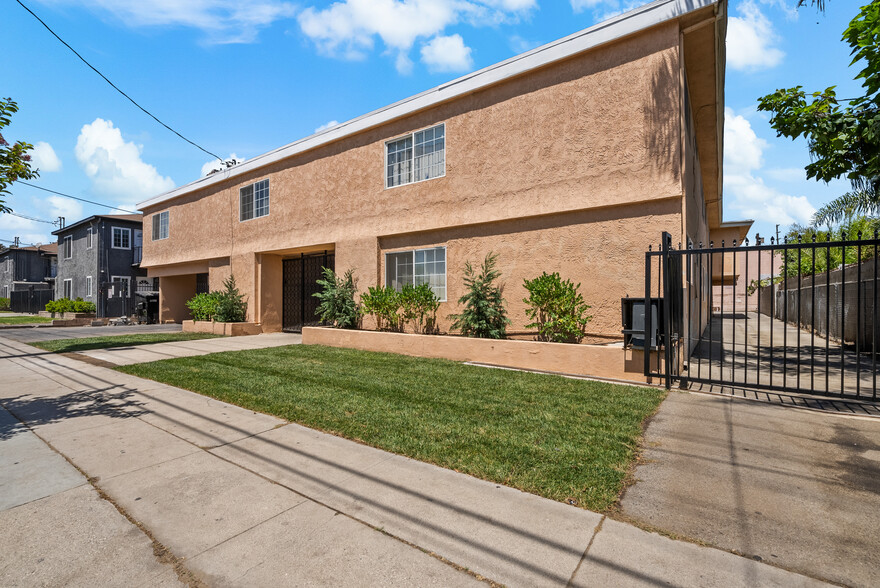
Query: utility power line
(30,218)
(130,99)
(75,198)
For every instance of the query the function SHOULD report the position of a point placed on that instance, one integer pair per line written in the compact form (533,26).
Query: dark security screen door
(299,284)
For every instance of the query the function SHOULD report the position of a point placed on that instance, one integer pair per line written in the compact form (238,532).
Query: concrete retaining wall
(603,361)
(226,329)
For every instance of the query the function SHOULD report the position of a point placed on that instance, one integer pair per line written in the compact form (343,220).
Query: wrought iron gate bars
(671,316)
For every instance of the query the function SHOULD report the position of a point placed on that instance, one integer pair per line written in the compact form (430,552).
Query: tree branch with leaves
(15,163)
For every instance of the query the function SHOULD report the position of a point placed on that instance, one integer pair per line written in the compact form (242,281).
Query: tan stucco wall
(600,132)
(174,291)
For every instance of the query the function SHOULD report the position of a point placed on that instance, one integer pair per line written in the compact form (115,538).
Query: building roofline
(88,219)
(626,24)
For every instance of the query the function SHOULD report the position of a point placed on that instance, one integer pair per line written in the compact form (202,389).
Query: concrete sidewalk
(248,499)
(157,351)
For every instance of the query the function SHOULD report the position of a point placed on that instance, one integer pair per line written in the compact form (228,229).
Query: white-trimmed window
(160,226)
(416,157)
(121,238)
(68,247)
(418,266)
(253,200)
(68,288)
(89,237)
(126,288)
(88,285)
(5,291)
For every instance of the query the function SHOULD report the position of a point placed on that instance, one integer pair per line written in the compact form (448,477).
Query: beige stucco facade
(576,166)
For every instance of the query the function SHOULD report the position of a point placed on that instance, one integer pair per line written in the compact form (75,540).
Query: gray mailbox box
(633,315)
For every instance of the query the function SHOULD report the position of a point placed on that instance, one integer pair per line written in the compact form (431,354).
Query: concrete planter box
(68,315)
(226,329)
(602,361)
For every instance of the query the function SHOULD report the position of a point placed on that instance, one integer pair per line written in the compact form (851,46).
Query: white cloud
(745,190)
(349,28)
(751,40)
(115,165)
(327,125)
(447,54)
(44,158)
(71,210)
(222,21)
(581,5)
(215,165)
(27,231)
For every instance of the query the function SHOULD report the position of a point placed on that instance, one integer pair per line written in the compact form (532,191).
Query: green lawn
(68,345)
(24,320)
(569,440)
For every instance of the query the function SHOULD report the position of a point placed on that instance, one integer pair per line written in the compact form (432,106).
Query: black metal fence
(32,301)
(791,316)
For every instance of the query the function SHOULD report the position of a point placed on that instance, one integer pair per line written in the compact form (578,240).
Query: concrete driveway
(34,334)
(795,488)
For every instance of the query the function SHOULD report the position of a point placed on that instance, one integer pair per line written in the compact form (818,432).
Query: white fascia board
(613,29)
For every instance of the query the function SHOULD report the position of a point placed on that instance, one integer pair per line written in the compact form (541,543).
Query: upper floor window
(160,226)
(254,200)
(89,237)
(419,266)
(68,247)
(121,238)
(417,157)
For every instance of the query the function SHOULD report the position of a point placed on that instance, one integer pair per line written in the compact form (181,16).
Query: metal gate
(30,300)
(300,276)
(793,316)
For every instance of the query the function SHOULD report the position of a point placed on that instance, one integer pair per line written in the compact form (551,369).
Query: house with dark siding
(28,268)
(99,261)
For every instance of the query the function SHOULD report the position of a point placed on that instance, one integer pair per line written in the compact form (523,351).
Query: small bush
(383,304)
(231,304)
(419,305)
(556,308)
(63,305)
(203,306)
(484,314)
(5,303)
(337,305)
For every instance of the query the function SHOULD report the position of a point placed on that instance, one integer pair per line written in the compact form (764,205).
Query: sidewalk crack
(586,551)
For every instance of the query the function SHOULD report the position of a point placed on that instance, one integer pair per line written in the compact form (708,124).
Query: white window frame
(5,291)
(113,237)
(413,252)
(67,289)
(412,136)
(88,286)
(253,197)
(126,279)
(89,237)
(157,226)
(67,246)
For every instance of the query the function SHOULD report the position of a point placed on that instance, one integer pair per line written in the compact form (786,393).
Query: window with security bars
(417,157)
(160,226)
(418,266)
(254,200)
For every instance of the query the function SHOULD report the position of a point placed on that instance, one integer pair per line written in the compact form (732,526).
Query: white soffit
(615,28)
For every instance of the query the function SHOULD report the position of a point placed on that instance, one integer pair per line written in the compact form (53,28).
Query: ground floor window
(68,289)
(88,285)
(125,287)
(417,266)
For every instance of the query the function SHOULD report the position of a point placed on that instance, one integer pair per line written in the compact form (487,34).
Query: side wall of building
(82,263)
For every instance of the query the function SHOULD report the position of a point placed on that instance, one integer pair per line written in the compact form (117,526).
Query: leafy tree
(843,134)
(337,305)
(832,257)
(484,314)
(557,309)
(15,163)
(231,305)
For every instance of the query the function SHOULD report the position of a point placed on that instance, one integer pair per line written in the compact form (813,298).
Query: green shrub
(203,306)
(337,305)
(231,304)
(5,303)
(420,304)
(63,305)
(556,308)
(384,304)
(484,314)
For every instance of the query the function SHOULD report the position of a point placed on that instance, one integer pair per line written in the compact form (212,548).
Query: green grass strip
(84,344)
(24,320)
(565,439)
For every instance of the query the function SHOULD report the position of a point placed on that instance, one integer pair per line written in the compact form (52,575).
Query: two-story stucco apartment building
(572,157)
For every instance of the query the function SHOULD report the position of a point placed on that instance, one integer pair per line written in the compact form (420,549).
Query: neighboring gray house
(99,261)
(25,268)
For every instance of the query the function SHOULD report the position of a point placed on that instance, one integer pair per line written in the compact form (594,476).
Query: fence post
(667,307)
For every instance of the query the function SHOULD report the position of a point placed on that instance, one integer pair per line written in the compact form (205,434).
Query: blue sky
(242,77)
